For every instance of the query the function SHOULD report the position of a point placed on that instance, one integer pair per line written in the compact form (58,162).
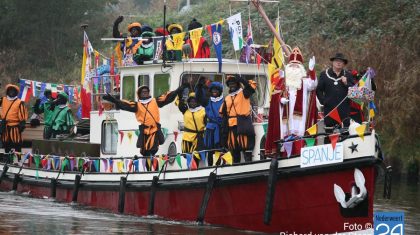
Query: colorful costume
(238,104)
(47,108)
(13,115)
(62,118)
(147,114)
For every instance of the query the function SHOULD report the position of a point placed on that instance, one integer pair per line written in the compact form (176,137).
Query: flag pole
(270,25)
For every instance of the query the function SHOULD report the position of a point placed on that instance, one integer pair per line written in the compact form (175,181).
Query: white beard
(294,76)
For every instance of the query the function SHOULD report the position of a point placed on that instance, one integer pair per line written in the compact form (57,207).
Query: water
(24,215)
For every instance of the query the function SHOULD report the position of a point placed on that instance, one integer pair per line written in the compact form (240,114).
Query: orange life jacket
(148,115)
(17,112)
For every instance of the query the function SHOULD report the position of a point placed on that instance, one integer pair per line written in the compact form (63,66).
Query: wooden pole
(270,25)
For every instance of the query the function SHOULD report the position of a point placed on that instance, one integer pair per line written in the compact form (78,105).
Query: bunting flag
(149,163)
(235,30)
(121,135)
(189,158)
(130,136)
(158,50)
(209,31)
(49,163)
(178,40)
(372,110)
(258,61)
(193,165)
(111,165)
(35,92)
(310,142)
(155,164)
(195,36)
(360,130)
(203,156)
(64,164)
(41,93)
(276,61)
(37,160)
(96,164)
(53,88)
(137,132)
(104,165)
(144,163)
(136,164)
(26,88)
(228,158)
(334,139)
(44,163)
(175,135)
(265,127)
(312,130)
(249,42)
(217,42)
(161,163)
(120,166)
(178,160)
(216,157)
(196,155)
(335,115)
(288,147)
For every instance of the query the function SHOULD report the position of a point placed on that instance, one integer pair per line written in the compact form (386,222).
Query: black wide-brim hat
(339,56)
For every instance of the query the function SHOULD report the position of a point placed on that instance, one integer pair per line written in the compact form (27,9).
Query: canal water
(21,214)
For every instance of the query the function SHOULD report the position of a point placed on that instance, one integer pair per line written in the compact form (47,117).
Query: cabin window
(161,84)
(128,88)
(143,80)
(258,98)
(109,140)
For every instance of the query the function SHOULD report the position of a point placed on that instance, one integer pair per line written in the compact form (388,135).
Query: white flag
(235,29)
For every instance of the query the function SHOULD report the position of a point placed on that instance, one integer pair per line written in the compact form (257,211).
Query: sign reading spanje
(321,155)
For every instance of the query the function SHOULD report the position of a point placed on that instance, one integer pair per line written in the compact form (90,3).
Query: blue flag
(41,93)
(216,30)
(189,158)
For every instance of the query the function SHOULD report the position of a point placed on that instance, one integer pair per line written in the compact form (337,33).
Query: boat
(324,189)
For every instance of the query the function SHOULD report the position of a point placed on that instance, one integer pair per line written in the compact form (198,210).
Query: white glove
(284,100)
(312,63)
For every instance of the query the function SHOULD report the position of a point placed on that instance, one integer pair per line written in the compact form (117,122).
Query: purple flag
(288,147)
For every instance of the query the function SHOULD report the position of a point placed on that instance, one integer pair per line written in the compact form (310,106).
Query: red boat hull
(302,203)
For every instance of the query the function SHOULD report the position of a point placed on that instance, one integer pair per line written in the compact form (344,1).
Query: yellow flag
(195,36)
(360,130)
(371,113)
(228,158)
(130,135)
(120,166)
(178,40)
(276,60)
(197,155)
(312,130)
(216,157)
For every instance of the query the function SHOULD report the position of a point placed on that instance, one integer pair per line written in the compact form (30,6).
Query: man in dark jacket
(332,90)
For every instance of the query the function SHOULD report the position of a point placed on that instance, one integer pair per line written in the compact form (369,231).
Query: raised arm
(122,104)
(115,32)
(169,97)
(249,87)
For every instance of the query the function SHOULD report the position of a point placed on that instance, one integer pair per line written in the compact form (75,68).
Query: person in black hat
(332,90)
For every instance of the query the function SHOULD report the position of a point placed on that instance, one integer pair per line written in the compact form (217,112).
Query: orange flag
(334,139)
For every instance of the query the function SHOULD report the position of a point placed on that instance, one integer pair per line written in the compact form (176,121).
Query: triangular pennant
(288,147)
(216,157)
(193,165)
(195,36)
(155,163)
(310,142)
(265,127)
(228,158)
(203,156)
(189,158)
(258,60)
(197,155)
(178,160)
(130,136)
(360,130)
(121,135)
(312,130)
(334,139)
(335,115)
(175,135)
(137,132)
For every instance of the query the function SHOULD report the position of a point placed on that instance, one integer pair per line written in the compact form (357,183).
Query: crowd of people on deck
(212,121)
(139,45)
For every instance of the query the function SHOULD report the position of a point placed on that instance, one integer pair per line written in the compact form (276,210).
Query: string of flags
(35,89)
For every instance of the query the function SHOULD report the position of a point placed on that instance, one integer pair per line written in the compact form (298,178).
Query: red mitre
(296,56)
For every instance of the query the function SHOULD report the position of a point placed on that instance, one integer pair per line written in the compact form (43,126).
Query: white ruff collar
(198,108)
(62,106)
(235,92)
(335,79)
(215,99)
(146,101)
(11,98)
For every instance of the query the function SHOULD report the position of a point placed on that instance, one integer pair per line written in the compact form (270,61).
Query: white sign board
(321,155)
